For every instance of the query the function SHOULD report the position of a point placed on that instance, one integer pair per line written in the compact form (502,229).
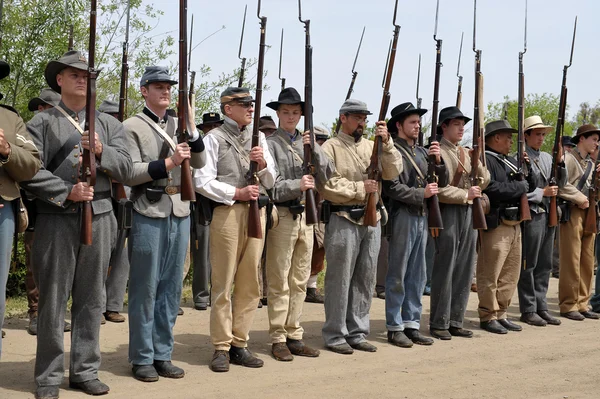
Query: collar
(575,151)
(502,156)
(78,116)
(233,127)
(405,144)
(444,142)
(348,139)
(155,117)
(286,135)
(532,151)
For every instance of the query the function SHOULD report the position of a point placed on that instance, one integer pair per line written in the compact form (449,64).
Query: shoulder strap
(290,148)
(160,131)
(70,119)
(584,178)
(536,162)
(411,159)
(355,156)
(235,144)
(459,169)
(503,160)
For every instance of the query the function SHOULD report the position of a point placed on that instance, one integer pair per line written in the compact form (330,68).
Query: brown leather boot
(299,348)
(114,317)
(281,352)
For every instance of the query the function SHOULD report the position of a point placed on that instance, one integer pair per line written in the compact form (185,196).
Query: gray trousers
(201,259)
(116,282)
(382,263)
(63,266)
(453,268)
(534,279)
(351,252)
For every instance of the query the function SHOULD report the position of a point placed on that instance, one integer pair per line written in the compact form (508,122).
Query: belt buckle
(171,190)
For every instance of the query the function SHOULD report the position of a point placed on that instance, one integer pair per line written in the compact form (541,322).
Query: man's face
(535,138)
(409,129)
(72,82)
(590,143)
(503,142)
(453,130)
(240,112)
(157,95)
(207,127)
(354,124)
(289,116)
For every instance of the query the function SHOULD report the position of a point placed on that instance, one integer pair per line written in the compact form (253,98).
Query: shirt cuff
(158,169)
(196,145)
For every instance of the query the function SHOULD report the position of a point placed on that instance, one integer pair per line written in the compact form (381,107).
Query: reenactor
(351,248)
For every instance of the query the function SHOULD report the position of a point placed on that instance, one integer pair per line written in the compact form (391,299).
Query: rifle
(458,75)
(354,75)
(434,218)
(280,60)
(124,69)
(192,90)
(479,222)
(254,224)
(89,156)
(375,170)
(521,164)
(311,204)
(243,59)
(560,124)
(187,187)
(419,102)
(591,223)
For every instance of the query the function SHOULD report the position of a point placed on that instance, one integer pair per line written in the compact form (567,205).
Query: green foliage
(16,277)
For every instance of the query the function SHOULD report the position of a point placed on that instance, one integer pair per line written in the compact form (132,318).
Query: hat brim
(575,139)
(55,67)
(169,81)
(34,103)
(538,126)
(274,105)
(503,130)
(391,124)
(4,69)
(439,127)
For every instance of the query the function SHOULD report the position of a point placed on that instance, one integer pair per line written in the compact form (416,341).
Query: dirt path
(550,362)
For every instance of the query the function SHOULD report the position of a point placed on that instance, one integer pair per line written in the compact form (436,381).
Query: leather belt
(170,190)
(101,195)
(345,208)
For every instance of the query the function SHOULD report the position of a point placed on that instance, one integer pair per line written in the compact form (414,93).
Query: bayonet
(280,61)
(419,102)
(124,69)
(458,75)
(192,91)
(243,59)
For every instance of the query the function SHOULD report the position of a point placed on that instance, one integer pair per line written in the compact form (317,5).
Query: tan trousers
(289,252)
(576,266)
(234,258)
(498,269)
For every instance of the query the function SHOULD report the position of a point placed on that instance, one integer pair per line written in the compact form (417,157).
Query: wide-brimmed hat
(499,126)
(157,74)
(289,96)
(567,141)
(352,106)
(585,130)
(210,118)
(4,69)
(401,111)
(47,97)
(535,122)
(239,94)
(71,59)
(109,107)
(448,114)
(266,122)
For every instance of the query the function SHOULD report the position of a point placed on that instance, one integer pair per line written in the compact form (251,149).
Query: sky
(336,26)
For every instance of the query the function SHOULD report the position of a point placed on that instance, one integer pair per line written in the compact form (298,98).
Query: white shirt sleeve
(205,179)
(267,175)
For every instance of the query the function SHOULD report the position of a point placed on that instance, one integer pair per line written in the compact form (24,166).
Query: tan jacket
(23,162)
(458,195)
(575,166)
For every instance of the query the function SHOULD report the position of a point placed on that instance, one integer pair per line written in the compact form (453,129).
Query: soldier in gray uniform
(160,230)
(62,265)
(109,107)
(538,238)
(290,244)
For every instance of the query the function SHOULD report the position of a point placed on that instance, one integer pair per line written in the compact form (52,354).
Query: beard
(357,134)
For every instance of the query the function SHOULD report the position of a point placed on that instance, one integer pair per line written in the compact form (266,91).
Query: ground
(539,362)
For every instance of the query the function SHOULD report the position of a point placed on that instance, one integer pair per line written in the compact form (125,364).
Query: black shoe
(460,332)
(48,392)
(91,387)
(493,326)
(444,335)
(533,319)
(343,349)
(264,301)
(509,325)
(573,316)
(201,306)
(588,314)
(32,328)
(244,357)
(555,274)
(68,326)
(3,333)
(168,370)
(380,292)
(398,338)
(220,361)
(144,372)
(416,337)
(313,296)
(260,305)
(364,346)
(544,314)
(180,312)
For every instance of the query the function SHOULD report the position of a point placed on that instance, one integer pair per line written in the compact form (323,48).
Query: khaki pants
(289,251)
(234,258)
(576,264)
(498,268)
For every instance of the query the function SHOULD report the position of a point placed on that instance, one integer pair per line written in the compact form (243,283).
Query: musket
(374,171)
(192,90)
(419,102)
(521,164)
(458,75)
(280,60)
(187,187)
(354,75)
(591,224)
(254,223)
(479,222)
(310,202)
(124,69)
(89,156)
(434,216)
(243,59)
(560,124)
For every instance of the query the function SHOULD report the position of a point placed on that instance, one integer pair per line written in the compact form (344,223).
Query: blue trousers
(157,250)
(7,229)
(406,276)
